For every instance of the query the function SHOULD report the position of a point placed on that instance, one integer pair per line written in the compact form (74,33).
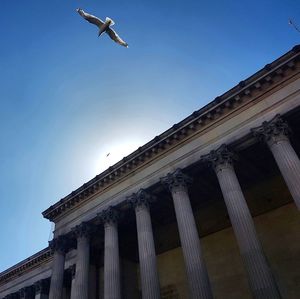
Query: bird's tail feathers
(107,19)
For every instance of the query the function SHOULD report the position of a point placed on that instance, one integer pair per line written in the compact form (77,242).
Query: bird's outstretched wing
(90,18)
(115,37)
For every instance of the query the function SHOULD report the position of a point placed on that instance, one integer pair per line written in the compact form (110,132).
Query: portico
(217,175)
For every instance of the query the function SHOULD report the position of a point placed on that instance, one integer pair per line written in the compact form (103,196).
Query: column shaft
(57,277)
(197,275)
(72,295)
(275,133)
(112,283)
(289,165)
(147,256)
(261,281)
(81,287)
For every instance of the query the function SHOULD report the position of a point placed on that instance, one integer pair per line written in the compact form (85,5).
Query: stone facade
(208,209)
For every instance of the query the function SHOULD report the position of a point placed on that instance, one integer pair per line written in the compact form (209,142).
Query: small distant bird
(103,26)
(293,25)
(107,154)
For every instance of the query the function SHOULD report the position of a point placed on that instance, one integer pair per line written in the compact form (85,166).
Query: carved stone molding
(109,216)
(82,230)
(42,286)
(220,158)
(140,199)
(176,180)
(272,131)
(61,244)
(35,261)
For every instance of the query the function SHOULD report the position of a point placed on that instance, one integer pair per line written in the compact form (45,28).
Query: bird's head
(78,9)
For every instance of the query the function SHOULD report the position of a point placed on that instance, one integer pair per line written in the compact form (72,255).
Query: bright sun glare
(112,153)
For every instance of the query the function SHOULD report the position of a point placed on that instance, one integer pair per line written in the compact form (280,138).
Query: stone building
(208,209)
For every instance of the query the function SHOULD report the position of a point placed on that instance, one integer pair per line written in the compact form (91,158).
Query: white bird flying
(103,26)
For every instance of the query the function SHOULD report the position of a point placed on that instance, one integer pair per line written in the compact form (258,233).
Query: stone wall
(278,231)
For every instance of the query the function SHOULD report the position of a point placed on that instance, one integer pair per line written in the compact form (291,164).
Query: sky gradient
(69,98)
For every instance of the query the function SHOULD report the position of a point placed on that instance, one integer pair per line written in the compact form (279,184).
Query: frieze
(35,261)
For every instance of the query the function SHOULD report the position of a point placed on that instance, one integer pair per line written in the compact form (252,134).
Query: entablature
(42,257)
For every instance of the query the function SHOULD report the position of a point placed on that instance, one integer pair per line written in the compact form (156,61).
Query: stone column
(42,289)
(112,277)
(81,287)
(72,273)
(262,283)
(26,293)
(275,134)
(58,245)
(147,256)
(197,276)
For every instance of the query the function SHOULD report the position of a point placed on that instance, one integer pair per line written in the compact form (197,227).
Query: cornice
(26,265)
(246,91)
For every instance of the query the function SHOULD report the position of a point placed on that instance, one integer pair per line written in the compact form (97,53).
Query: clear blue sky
(68,98)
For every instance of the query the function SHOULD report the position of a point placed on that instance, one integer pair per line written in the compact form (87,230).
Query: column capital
(84,229)
(109,216)
(140,199)
(42,286)
(60,244)
(176,180)
(220,158)
(261,282)
(272,131)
